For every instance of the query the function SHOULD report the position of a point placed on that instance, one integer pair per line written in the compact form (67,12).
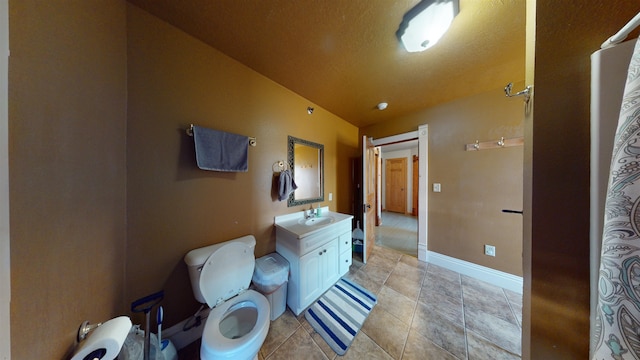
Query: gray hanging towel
(221,151)
(286,185)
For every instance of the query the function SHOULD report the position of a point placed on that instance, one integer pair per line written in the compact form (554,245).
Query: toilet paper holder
(101,341)
(85,329)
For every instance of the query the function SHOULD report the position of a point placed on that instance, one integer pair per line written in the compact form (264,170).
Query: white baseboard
(492,276)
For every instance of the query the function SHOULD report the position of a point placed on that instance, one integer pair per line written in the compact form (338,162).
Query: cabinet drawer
(345,262)
(345,242)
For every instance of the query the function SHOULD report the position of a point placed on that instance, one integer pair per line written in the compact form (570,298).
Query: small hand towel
(286,185)
(220,151)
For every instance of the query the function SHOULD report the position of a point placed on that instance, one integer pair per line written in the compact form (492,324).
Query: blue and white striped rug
(339,314)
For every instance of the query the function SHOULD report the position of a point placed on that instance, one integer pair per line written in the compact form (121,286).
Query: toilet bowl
(236,329)
(238,322)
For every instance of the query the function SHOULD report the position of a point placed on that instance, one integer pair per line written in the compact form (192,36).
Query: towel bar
(252,140)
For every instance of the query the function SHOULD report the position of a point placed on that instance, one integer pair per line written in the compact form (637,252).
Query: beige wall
(71,145)
(5,256)
(476,185)
(173,207)
(67,127)
(67,118)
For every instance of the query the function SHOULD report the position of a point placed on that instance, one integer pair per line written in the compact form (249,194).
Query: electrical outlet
(490,250)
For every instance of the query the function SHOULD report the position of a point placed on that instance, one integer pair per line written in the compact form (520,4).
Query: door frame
(368,208)
(422,134)
(415,181)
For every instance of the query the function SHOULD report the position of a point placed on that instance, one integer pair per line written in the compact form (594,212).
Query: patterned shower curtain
(617,328)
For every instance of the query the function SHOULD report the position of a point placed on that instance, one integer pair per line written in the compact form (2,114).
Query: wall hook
(279,166)
(526,92)
(501,142)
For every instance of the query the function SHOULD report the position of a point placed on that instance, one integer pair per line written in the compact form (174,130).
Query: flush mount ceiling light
(424,25)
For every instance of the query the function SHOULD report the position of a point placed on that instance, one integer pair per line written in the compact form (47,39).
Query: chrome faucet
(308,214)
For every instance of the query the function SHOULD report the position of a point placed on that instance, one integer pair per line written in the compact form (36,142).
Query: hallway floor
(398,232)
(424,312)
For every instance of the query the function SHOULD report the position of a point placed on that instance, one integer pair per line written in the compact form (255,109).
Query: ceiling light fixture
(381,106)
(425,23)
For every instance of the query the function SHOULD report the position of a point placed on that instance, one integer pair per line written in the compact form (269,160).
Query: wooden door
(395,185)
(368,195)
(416,185)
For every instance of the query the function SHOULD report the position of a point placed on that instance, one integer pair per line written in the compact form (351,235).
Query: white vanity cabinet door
(310,277)
(311,274)
(330,264)
(319,269)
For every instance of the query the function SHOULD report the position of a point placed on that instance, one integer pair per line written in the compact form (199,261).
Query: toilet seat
(215,345)
(226,273)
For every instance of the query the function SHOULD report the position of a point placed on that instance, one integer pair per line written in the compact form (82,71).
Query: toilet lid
(227,272)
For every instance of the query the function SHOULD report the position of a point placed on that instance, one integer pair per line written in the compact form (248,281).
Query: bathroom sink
(296,226)
(318,221)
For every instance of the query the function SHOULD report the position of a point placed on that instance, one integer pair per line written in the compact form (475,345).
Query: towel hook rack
(526,92)
(252,140)
(495,144)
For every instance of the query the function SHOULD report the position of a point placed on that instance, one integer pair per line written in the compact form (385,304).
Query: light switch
(436,187)
(330,196)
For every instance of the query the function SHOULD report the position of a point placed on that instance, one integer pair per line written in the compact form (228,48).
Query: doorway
(398,232)
(417,142)
(398,228)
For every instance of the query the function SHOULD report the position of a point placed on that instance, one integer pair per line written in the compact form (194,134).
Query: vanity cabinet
(318,256)
(344,246)
(319,269)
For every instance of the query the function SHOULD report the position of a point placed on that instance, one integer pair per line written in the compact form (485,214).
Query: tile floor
(424,312)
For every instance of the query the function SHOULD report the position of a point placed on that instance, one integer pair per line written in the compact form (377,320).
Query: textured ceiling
(344,56)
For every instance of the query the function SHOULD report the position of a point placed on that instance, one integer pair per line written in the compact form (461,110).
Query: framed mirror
(306,162)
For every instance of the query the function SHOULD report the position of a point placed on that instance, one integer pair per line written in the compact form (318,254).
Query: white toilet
(239,319)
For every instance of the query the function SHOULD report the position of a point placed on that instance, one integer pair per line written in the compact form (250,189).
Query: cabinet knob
(320,253)
(325,250)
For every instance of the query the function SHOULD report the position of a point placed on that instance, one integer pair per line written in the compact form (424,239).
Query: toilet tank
(196,258)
